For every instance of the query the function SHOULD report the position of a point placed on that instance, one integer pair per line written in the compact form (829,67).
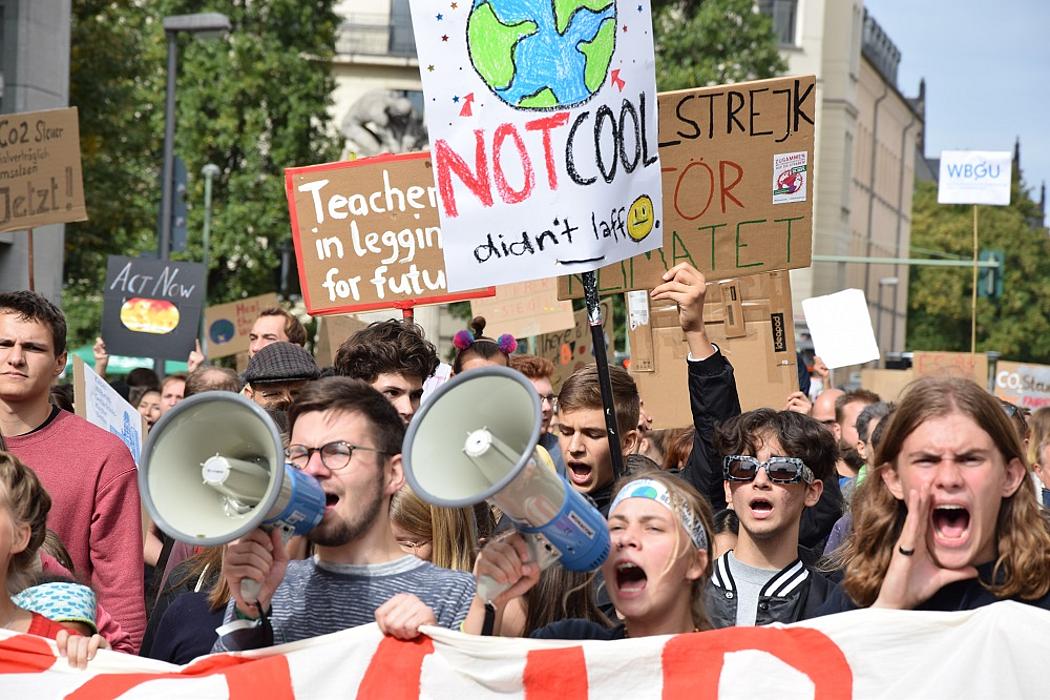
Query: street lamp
(883,283)
(205,25)
(209,171)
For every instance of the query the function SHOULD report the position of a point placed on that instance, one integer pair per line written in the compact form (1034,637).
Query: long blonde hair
(452,532)
(22,494)
(1022,529)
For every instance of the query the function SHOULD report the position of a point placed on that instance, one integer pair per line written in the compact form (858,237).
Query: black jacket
(795,593)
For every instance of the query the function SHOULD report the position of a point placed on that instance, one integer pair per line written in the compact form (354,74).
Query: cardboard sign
(956,364)
(150,307)
(366,235)
(333,331)
(543,125)
(841,328)
(98,403)
(40,177)
(737,164)
(571,349)
(750,320)
(889,384)
(974,177)
(228,325)
(1023,384)
(525,309)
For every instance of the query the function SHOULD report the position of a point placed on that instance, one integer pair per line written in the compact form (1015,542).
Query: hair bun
(478,326)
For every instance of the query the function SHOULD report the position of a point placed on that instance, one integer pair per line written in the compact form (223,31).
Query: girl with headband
(475,349)
(656,571)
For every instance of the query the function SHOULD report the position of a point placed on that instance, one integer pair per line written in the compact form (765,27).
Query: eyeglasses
(780,470)
(334,455)
(552,399)
(1012,410)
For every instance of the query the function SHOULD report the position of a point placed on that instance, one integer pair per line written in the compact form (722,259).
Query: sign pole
(973,299)
(408,314)
(29,259)
(594,317)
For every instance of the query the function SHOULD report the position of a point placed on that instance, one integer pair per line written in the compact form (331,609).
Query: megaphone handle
(541,553)
(250,590)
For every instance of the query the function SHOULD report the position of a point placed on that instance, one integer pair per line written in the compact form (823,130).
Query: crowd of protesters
(834,501)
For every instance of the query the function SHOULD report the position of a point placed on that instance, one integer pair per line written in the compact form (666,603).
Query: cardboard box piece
(748,318)
(955,364)
(332,331)
(570,349)
(889,384)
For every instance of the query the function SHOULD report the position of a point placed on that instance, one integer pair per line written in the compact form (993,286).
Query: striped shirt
(318,597)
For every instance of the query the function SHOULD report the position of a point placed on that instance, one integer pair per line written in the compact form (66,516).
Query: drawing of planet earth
(542,54)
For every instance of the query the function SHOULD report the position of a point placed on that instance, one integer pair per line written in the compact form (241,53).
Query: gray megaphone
(476,439)
(213,470)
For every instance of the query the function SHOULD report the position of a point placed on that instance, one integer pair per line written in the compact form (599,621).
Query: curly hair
(392,346)
(533,366)
(1022,529)
(799,436)
(24,498)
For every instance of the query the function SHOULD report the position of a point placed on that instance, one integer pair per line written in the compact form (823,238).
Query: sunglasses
(780,470)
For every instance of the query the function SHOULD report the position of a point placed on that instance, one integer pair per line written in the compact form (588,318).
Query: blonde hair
(24,497)
(1039,432)
(452,532)
(684,496)
(1022,529)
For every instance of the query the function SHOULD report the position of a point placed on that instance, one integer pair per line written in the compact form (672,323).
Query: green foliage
(1018,323)
(713,42)
(253,103)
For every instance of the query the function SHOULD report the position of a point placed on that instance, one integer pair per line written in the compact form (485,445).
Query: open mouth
(330,499)
(579,472)
(630,578)
(951,522)
(761,507)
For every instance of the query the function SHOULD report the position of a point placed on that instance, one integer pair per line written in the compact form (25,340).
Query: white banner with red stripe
(997,651)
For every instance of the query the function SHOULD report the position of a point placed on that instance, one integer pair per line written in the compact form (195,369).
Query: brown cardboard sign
(228,325)
(763,357)
(571,349)
(333,332)
(737,164)
(955,364)
(525,309)
(889,384)
(367,235)
(40,176)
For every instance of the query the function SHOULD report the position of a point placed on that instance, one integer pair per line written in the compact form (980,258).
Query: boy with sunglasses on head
(774,465)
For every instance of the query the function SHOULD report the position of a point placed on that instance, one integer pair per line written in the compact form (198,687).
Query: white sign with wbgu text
(974,177)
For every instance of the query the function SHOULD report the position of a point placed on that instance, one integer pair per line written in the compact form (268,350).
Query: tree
(253,103)
(712,42)
(1018,323)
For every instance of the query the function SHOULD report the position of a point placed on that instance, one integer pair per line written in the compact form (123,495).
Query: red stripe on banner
(395,668)
(247,679)
(693,663)
(25,653)
(555,674)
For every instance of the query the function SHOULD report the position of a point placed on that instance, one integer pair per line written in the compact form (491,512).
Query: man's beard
(850,456)
(340,532)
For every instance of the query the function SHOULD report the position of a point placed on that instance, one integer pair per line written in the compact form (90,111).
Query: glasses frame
(802,472)
(320,450)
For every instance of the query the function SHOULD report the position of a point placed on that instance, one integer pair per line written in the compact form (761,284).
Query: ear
(729,494)
(395,475)
(248,392)
(699,566)
(836,429)
(22,534)
(861,449)
(813,492)
(893,482)
(1015,474)
(629,443)
(60,364)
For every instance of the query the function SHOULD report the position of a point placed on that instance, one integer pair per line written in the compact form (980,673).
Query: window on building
(847,168)
(784,14)
(415,97)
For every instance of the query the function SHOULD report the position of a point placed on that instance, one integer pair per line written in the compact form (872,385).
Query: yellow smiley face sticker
(640,218)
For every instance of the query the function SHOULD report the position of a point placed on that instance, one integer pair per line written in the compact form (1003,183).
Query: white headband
(655,491)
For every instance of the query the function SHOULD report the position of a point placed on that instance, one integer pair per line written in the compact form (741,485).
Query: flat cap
(281,362)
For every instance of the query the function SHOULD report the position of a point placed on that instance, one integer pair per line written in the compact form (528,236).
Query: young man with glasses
(347,436)
(773,469)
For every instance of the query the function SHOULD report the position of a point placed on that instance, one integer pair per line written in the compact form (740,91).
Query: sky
(987,70)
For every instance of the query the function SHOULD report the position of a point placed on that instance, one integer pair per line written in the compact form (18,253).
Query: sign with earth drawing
(543,132)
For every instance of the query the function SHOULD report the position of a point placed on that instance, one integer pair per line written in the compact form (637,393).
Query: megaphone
(213,470)
(475,440)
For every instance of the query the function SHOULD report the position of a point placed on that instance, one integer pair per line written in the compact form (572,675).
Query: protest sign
(227,326)
(974,177)
(748,318)
(1023,384)
(332,332)
(571,349)
(737,164)
(542,120)
(40,177)
(889,384)
(841,328)
(151,307)
(98,403)
(867,653)
(525,309)
(954,364)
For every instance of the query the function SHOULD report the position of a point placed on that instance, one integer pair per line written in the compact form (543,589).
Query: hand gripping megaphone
(213,470)
(476,439)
